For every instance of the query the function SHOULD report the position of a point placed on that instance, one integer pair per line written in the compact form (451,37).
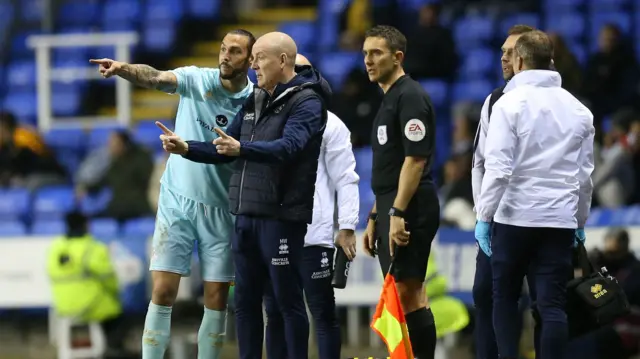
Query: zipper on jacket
(244,167)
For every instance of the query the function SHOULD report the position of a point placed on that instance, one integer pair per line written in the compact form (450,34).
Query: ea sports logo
(415,130)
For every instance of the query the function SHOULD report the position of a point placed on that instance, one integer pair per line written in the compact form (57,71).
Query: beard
(231,75)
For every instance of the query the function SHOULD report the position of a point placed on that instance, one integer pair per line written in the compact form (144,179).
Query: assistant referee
(406,215)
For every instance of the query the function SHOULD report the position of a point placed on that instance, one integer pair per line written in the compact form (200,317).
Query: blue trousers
(484,335)
(269,252)
(544,256)
(317,270)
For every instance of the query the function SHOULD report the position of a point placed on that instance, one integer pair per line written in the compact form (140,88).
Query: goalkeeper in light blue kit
(193,205)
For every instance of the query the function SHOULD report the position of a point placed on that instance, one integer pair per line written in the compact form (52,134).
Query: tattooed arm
(148,77)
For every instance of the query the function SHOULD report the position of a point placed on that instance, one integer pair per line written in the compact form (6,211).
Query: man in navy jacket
(276,140)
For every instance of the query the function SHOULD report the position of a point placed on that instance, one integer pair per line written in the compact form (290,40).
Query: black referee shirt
(404,126)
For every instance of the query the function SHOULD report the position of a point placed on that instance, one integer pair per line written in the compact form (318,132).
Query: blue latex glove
(580,237)
(483,236)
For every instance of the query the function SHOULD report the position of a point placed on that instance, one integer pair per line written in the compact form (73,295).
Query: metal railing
(43,44)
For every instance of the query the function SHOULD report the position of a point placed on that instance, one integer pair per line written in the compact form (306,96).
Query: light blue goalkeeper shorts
(180,224)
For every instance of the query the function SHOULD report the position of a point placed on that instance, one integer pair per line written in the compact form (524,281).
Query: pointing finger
(221,133)
(164,128)
(99,61)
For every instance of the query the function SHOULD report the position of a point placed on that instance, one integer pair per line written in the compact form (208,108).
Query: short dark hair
(394,38)
(76,223)
(248,34)
(536,49)
(519,29)
(621,236)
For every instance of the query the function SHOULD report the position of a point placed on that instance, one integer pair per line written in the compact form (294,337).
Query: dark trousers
(544,256)
(484,335)
(316,272)
(269,252)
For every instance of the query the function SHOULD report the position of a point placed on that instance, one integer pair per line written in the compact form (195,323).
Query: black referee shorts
(422,218)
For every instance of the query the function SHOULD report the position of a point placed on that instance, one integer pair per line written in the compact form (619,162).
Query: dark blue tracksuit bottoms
(544,256)
(269,252)
(316,272)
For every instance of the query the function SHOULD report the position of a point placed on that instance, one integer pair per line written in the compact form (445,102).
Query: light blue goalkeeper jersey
(204,105)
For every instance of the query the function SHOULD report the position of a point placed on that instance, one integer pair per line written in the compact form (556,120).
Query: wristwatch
(394,212)
(373,216)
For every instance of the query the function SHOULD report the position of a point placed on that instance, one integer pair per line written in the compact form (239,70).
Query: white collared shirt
(477,171)
(538,156)
(336,173)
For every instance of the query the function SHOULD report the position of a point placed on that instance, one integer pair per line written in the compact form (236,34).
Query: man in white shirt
(336,174)
(485,339)
(537,190)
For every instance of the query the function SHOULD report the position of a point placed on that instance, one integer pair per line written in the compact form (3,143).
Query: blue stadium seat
(21,75)
(437,90)
(478,63)
(571,25)
(79,12)
(204,9)
(12,229)
(53,202)
(473,31)
(104,228)
(69,159)
(19,48)
(627,216)
(121,11)
(367,199)
(141,227)
(66,102)
(163,10)
(70,57)
(477,90)
(146,134)
(117,26)
(336,66)
(95,203)
(159,37)
(515,19)
(364,161)
(14,203)
(609,5)
(252,76)
(99,136)
(412,5)
(31,10)
(21,104)
(6,14)
(303,32)
(48,227)
(72,139)
(551,6)
(599,19)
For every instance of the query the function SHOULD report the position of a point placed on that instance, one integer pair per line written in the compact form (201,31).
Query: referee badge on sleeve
(382,134)
(415,130)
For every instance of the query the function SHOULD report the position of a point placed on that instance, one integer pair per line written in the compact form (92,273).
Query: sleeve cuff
(348,226)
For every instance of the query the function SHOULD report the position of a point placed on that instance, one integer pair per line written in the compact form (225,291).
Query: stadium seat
(515,19)
(95,203)
(252,76)
(31,10)
(163,10)
(48,227)
(146,133)
(19,48)
(571,25)
(477,91)
(67,102)
(364,161)
(21,75)
(141,227)
(6,14)
(53,202)
(14,203)
(627,216)
(473,31)
(438,91)
(302,32)
(551,6)
(121,12)
(478,63)
(21,104)
(99,136)
(159,37)
(72,139)
(337,65)
(204,9)
(79,12)
(70,160)
(609,5)
(12,228)
(104,228)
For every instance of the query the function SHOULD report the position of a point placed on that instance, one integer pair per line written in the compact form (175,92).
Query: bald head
(281,44)
(301,60)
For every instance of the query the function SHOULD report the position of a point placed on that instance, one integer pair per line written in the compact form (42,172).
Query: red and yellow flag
(389,322)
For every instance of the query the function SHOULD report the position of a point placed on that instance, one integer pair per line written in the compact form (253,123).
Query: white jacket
(336,173)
